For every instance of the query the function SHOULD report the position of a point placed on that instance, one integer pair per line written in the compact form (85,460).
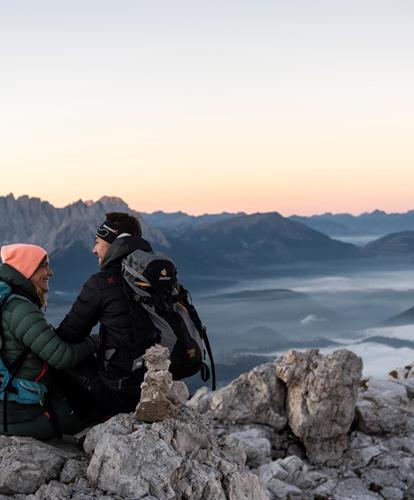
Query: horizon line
(200,214)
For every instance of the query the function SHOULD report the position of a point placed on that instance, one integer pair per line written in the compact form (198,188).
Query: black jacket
(103,299)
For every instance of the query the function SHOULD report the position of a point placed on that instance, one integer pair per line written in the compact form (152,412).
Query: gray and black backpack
(152,285)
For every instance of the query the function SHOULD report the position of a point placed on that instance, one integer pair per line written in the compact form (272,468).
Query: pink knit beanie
(22,257)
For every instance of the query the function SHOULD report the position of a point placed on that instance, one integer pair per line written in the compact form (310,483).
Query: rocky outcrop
(405,377)
(321,397)
(222,454)
(257,396)
(26,464)
(384,408)
(176,458)
(33,220)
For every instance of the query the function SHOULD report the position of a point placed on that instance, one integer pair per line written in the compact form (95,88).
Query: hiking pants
(41,427)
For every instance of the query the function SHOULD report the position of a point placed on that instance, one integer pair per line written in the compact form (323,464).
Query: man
(108,383)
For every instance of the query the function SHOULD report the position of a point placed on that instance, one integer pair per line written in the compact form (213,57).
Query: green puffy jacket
(23,325)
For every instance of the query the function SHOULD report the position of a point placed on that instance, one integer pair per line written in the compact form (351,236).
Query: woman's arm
(30,327)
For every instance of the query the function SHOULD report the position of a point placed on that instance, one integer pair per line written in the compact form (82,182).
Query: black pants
(90,397)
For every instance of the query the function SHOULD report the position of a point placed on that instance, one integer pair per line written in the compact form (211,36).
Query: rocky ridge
(27,219)
(302,427)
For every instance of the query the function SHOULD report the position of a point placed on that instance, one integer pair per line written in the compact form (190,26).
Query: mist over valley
(262,283)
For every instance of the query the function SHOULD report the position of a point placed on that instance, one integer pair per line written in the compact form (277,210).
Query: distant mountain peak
(112,200)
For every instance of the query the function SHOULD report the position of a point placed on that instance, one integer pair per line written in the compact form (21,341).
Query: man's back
(104,299)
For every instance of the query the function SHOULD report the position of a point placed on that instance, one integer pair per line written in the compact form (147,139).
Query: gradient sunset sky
(297,106)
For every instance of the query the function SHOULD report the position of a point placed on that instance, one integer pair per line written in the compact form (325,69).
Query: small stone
(178,392)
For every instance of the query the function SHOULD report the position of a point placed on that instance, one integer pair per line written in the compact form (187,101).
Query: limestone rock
(383,407)
(178,392)
(322,392)
(52,491)
(122,425)
(242,486)
(404,376)
(175,458)
(73,470)
(194,456)
(133,465)
(256,445)
(26,464)
(255,397)
(201,400)
(405,372)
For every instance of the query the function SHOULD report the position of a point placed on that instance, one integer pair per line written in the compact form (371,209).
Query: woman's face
(40,277)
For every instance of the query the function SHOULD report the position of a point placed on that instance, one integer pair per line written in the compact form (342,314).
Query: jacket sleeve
(83,315)
(30,327)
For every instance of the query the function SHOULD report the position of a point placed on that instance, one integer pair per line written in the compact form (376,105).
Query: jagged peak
(111,199)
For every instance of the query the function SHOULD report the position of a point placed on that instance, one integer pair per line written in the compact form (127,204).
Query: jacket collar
(122,247)
(19,283)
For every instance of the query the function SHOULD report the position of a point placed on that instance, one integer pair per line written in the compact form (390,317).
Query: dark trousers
(90,397)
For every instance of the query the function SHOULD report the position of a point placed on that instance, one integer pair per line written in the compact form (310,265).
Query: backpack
(151,282)
(12,388)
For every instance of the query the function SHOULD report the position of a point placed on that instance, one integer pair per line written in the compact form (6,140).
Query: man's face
(100,249)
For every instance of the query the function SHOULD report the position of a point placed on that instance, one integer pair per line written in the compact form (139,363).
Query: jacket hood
(122,247)
(19,283)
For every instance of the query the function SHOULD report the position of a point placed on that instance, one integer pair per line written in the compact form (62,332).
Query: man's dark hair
(125,223)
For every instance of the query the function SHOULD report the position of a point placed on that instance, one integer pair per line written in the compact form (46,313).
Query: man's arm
(83,315)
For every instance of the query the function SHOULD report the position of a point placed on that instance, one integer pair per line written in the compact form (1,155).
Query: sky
(297,106)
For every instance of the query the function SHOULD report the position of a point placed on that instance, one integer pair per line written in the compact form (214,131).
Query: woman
(30,345)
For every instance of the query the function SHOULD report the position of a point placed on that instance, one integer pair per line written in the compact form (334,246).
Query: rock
(200,457)
(287,471)
(178,392)
(26,464)
(121,425)
(240,486)
(73,470)
(383,407)
(175,458)
(233,450)
(404,376)
(362,450)
(255,444)
(344,489)
(201,400)
(155,404)
(322,392)
(134,465)
(388,471)
(403,373)
(282,490)
(52,491)
(255,397)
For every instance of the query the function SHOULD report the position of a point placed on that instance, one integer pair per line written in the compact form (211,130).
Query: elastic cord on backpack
(210,355)
(183,295)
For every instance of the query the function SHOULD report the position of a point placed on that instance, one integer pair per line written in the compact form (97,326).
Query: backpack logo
(164,275)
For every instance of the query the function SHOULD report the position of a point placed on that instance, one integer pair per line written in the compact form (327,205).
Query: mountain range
(211,243)
(376,223)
